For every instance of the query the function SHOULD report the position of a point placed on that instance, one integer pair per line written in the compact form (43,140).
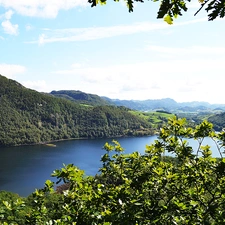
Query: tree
(135,189)
(170,9)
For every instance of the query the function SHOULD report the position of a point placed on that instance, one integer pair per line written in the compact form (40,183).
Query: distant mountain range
(193,111)
(166,104)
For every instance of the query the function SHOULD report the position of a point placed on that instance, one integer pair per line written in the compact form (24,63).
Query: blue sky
(67,45)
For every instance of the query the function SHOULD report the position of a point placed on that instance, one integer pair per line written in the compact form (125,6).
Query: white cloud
(10,70)
(41,8)
(93,33)
(192,50)
(39,85)
(41,39)
(10,28)
(203,58)
(182,79)
(28,27)
(8,14)
(7,26)
(76,65)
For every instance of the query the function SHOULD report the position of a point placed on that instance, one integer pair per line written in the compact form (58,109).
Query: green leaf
(193,203)
(7,205)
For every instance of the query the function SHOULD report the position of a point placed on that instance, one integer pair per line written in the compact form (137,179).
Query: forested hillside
(27,117)
(81,97)
(218,121)
(165,104)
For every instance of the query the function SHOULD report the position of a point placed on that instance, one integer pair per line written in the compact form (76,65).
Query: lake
(24,168)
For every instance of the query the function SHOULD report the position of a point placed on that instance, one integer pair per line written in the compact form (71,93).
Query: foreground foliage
(131,189)
(170,9)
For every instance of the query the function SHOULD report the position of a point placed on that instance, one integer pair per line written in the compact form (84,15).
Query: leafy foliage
(170,9)
(140,189)
(12,208)
(215,9)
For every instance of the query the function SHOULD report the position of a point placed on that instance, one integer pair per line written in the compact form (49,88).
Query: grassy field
(157,119)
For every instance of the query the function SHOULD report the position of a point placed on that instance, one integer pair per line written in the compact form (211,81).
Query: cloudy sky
(67,45)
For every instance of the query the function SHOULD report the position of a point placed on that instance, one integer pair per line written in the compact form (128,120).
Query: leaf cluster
(170,9)
(131,189)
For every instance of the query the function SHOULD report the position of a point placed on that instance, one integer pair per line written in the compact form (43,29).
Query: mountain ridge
(167,104)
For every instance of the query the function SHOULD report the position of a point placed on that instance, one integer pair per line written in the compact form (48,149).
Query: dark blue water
(22,169)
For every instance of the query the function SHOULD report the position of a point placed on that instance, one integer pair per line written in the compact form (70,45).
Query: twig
(203,4)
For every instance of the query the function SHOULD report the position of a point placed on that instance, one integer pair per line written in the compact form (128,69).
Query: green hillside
(28,117)
(81,97)
(157,119)
(218,121)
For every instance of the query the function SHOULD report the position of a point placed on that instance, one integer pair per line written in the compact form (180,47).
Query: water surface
(24,168)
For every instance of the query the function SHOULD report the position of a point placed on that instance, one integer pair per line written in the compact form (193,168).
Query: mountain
(167,104)
(80,97)
(30,117)
(218,121)
(145,105)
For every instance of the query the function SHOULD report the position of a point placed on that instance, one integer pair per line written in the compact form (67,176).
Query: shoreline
(52,142)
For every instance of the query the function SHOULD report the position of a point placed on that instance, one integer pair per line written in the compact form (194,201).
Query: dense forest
(218,121)
(81,97)
(28,117)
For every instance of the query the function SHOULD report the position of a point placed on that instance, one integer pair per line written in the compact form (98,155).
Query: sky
(105,50)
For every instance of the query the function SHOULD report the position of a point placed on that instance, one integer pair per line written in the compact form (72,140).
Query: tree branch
(203,4)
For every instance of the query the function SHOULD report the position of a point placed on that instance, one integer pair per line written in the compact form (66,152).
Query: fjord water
(24,168)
